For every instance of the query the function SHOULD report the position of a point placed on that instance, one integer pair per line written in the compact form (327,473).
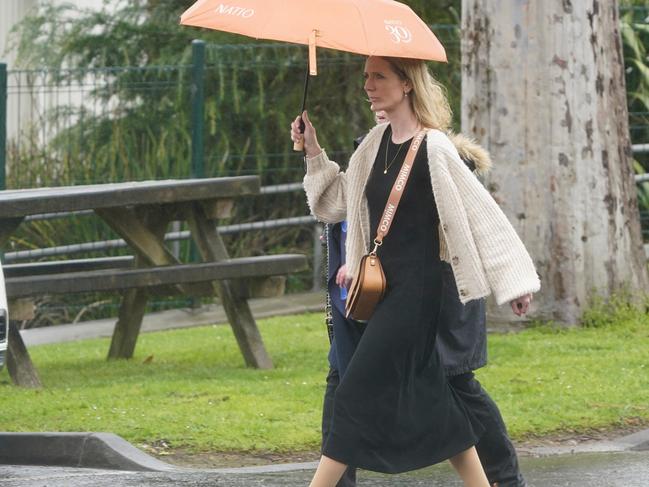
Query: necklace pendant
(385,171)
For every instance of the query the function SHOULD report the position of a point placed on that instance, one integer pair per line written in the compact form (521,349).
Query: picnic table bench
(140,213)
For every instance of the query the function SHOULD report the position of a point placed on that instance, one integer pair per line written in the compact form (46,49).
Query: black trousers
(495,449)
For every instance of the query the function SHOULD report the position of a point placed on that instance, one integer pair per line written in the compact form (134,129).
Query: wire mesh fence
(68,127)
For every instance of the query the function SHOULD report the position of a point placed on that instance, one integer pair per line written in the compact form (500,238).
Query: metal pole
(198,124)
(198,108)
(3,124)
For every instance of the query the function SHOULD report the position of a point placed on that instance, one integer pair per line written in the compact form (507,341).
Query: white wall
(11,12)
(27,106)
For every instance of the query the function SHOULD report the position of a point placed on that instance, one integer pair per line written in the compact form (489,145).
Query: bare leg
(469,468)
(328,473)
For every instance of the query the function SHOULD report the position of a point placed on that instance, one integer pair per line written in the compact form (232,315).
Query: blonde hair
(428,97)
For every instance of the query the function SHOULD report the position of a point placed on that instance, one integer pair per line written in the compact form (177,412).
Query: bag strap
(397,191)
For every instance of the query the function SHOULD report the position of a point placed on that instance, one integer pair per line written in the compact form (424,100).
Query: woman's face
(384,88)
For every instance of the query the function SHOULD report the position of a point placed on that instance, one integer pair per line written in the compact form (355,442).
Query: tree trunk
(543,89)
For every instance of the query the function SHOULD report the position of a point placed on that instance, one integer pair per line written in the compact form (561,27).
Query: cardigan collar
(361,162)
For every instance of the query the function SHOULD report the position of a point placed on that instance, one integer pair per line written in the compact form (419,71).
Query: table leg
(19,364)
(129,322)
(243,324)
(149,226)
(143,228)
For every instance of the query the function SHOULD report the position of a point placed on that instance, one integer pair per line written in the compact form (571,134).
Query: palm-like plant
(635,37)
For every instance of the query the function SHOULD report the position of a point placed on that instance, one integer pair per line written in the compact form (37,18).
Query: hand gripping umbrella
(369,27)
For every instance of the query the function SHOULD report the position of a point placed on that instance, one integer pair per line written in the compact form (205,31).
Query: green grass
(197,395)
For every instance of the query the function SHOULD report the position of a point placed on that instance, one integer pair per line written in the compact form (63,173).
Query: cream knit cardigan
(483,248)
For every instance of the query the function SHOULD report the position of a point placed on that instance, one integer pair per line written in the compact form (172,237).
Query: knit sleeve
(508,266)
(325,186)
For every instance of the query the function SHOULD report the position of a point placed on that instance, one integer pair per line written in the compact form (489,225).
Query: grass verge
(189,388)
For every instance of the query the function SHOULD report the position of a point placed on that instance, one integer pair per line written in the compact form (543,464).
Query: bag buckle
(377,244)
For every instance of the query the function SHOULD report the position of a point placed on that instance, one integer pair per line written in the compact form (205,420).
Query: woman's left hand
(521,305)
(340,276)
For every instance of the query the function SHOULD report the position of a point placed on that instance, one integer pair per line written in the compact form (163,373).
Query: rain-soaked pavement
(624,469)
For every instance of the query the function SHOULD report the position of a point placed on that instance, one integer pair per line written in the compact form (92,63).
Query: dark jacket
(462,330)
(346,333)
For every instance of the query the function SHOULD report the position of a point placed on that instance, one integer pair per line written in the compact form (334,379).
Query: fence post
(3,124)
(198,108)
(198,125)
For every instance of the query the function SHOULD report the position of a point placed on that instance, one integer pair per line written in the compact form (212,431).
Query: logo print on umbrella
(399,32)
(235,11)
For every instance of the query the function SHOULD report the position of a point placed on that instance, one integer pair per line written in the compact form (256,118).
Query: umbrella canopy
(369,27)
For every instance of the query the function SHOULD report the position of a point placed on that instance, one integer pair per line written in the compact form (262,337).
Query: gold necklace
(387,166)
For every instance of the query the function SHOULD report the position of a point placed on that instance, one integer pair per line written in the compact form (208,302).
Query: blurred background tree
(544,90)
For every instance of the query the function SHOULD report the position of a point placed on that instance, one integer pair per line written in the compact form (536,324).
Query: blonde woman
(394,410)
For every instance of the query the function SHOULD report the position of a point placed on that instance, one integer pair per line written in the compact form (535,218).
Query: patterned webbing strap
(397,188)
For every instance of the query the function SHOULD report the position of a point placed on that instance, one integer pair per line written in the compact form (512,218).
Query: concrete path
(180,318)
(582,470)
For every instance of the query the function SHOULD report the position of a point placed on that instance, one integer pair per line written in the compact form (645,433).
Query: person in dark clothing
(394,410)
(461,343)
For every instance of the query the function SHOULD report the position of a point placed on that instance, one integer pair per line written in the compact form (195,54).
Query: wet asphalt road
(626,469)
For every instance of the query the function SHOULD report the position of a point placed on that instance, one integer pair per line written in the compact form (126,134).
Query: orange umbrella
(369,27)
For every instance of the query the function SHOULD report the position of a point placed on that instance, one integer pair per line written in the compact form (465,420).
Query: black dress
(393,409)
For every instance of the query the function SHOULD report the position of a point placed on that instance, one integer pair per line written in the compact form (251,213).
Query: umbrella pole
(299,146)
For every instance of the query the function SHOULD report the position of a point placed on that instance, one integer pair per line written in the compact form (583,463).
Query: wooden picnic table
(140,213)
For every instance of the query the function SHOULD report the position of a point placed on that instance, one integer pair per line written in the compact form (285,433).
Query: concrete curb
(111,452)
(87,450)
(635,442)
(275,468)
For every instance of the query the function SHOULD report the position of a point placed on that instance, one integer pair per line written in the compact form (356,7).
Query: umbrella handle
(299,145)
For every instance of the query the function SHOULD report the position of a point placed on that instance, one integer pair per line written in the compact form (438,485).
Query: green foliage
(635,36)
(196,393)
(621,309)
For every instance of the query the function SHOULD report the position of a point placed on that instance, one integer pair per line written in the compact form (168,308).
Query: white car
(4,320)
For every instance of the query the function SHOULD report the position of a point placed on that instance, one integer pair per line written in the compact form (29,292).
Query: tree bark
(543,89)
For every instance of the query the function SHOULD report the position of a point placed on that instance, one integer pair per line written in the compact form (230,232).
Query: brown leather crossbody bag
(369,284)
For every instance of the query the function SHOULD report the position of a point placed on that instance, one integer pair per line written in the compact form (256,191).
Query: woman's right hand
(521,305)
(311,146)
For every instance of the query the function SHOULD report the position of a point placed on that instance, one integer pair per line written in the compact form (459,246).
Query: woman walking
(394,410)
